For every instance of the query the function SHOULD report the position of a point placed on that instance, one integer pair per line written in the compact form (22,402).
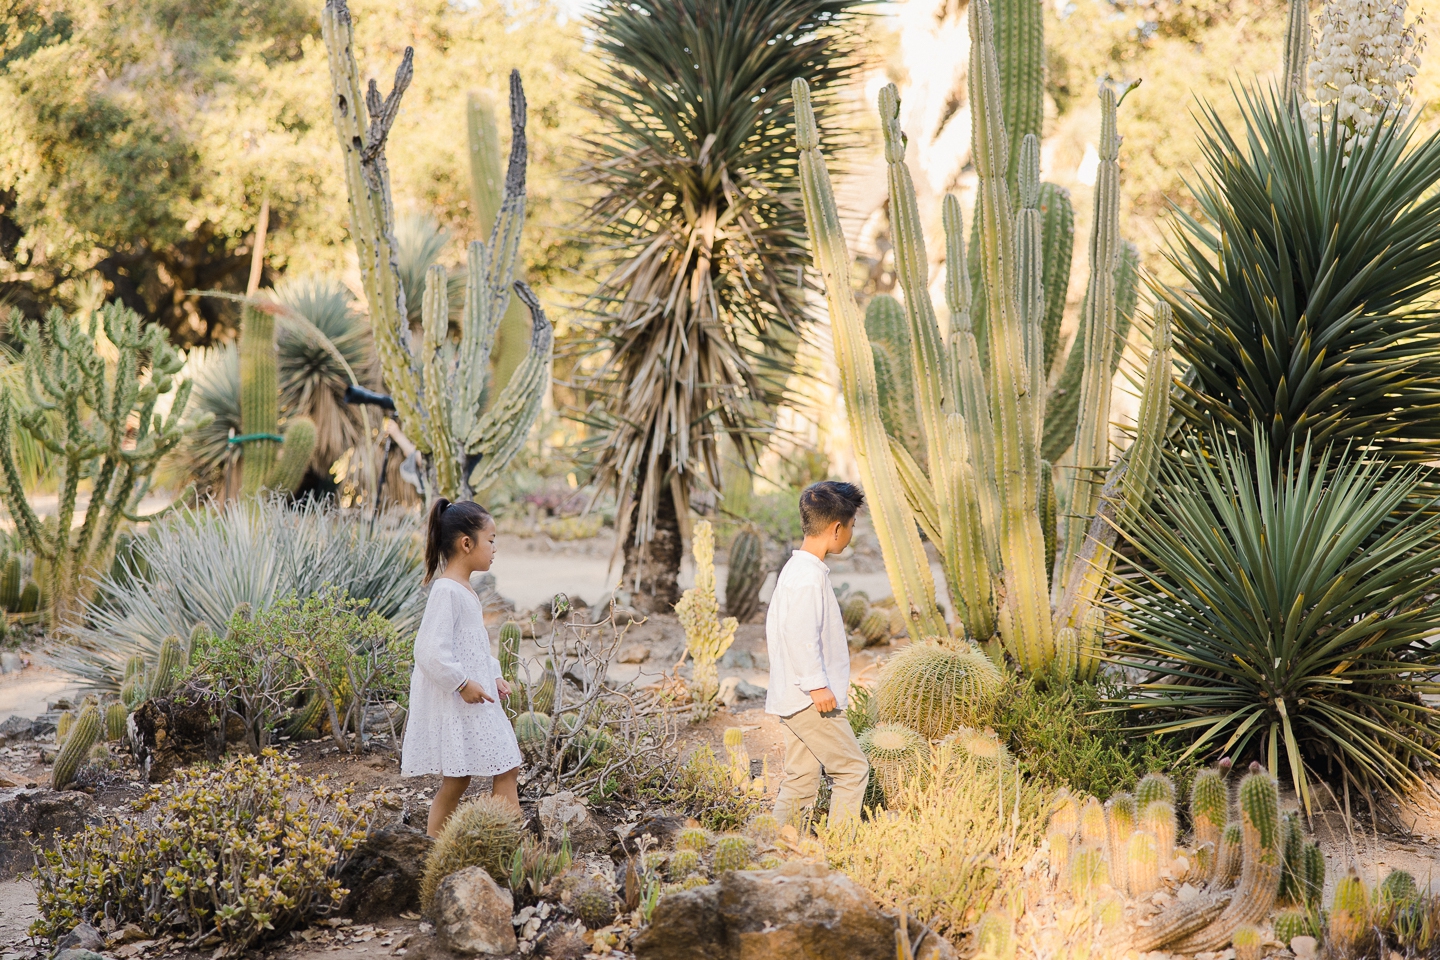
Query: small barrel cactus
(63,723)
(1398,888)
(1152,787)
(933,689)
(897,755)
(995,935)
(1248,943)
(1209,806)
(83,734)
(764,829)
(1092,823)
(29,601)
(531,732)
(853,611)
(1290,924)
(875,628)
(115,716)
(692,838)
(1158,816)
(593,902)
(733,852)
(484,832)
(167,667)
(1349,913)
(681,864)
(1142,863)
(897,621)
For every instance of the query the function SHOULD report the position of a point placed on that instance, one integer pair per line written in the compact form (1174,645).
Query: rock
(633,653)
(383,875)
(76,954)
(800,910)
(10,662)
(1305,948)
(83,937)
(736,659)
(173,731)
(41,813)
(564,813)
(662,828)
(746,690)
(17,728)
(472,915)
(728,693)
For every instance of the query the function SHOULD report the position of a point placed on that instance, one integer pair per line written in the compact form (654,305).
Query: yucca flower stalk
(699,314)
(1364,66)
(1288,612)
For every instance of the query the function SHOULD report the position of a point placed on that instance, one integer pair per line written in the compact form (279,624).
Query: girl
(457,727)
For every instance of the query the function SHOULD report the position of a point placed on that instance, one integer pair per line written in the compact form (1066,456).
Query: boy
(810,661)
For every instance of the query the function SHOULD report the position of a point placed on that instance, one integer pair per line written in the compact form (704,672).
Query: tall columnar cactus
(1209,807)
(1349,913)
(1158,817)
(167,666)
(97,418)
(466,431)
(510,650)
(1142,863)
(1119,825)
(1293,859)
(746,575)
(261,467)
(1093,829)
(707,637)
(1312,875)
(1152,787)
(1064,824)
(83,735)
(961,439)
(116,714)
(10,585)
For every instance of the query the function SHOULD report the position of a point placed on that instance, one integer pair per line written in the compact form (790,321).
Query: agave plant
(1289,611)
(700,313)
(1305,305)
(195,566)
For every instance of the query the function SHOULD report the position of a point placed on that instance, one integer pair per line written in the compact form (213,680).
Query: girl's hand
(472,692)
(502,688)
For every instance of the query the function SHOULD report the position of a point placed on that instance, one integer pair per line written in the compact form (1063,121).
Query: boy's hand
(502,688)
(472,692)
(823,699)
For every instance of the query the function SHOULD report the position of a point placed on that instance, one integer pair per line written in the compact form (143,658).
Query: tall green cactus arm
(1062,406)
(437,363)
(1154,416)
(372,215)
(501,432)
(889,333)
(1297,50)
(1058,235)
(918,491)
(259,398)
(1092,424)
(1029,270)
(1020,57)
(1025,612)
(900,545)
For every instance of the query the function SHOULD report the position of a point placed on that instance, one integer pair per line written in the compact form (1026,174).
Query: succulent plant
(532,730)
(1312,878)
(593,902)
(116,715)
(763,828)
(897,755)
(134,666)
(83,734)
(683,863)
(1154,786)
(63,723)
(1209,807)
(1349,915)
(1088,873)
(933,689)
(1158,816)
(1093,830)
(746,575)
(484,832)
(733,852)
(1229,856)
(995,935)
(707,636)
(1398,889)
(262,467)
(10,584)
(1290,924)
(1293,847)
(132,691)
(738,755)
(1142,863)
(307,717)
(1119,825)
(875,628)
(510,651)
(693,838)
(167,666)
(853,611)
(1248,943)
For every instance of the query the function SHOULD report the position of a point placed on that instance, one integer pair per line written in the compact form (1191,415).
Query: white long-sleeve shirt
(805,634)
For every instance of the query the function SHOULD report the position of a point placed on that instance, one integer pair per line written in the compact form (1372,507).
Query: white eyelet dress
(444,734)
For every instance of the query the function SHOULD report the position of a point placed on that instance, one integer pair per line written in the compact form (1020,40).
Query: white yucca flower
(1365,61)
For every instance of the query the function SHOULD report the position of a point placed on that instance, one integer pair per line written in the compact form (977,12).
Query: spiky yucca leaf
(1305,303)
(1291,609)
(699,208)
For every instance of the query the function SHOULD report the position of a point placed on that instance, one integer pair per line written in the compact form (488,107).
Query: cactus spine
(260,466)
(1152,787)
(1248,943)
(995,936)
(1291,924)
(1293,847)
(1119,825)
(467,432)
(167,666)
(1142,863)
(115,716)
(1158,817)
(83,735)
(63,723)
(707,637)
(10,585)
(1209,807)
(1349,913)
(733,852)
(1228,857)
(935,690)
(746,575)
(897,755)
(1312,878)
(973,479)
(1093,829)
(108,433)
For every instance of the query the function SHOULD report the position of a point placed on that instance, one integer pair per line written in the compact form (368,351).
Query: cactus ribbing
(692,838)
(1093,831)
(10,585)
(1158,816)
(115,716)
(1312,877)
(1142,863)
(1119,825)
(134,666)
(1228,857)
(1088,873)
(681,864)
(167,666)
(1152,787)
(1248,943)
(29,601)
(509,650)
(896,753)
(853,610)
(935,689)
(1398,889)
(739,756)
(746,575)
(484,832)
(467,432)
(260,466)
(83,735)
(733,852)
(1349,912)
(1209,807)
(1290,924)
(200,638)
(63,723)
(532,730)
(307,716)
(875,628)
(707,636)
(995,936)
(1293,847)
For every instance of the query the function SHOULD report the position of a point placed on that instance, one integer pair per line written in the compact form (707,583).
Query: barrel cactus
(681,864)
(875,627)
(853,611)
(1349,913)
(593,902)
(1248,943)
(746,575)
(692,838)
(484,832)
(733,852)
(1152,787)
(532,730)
(934,688)
(1290,924)
(116,715)
(82,736)
(897,755)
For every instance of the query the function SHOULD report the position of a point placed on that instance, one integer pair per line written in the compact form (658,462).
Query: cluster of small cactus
(467,426)
(935,688)
(870,624)
(262,465)
(707,637)
(954,442)
(484,832)
(746,575)
(897,755)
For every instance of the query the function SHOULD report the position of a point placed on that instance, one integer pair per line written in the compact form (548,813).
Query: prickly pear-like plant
(260,466)
(467,433)
(83,735)
(707,637)
(934,689)
(896,753)
(98,420)
(974,482)
(746,575)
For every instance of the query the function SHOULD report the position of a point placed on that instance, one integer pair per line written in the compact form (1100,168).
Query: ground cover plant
(245,850)
(1273,613)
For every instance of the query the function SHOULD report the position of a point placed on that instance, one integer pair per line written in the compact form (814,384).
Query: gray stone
(41,813)
(83,937)
(633,653)
(746,690)
(77,954)
(686,925)
(383,875)
(10,662)
(473,913)
(17,728)
(563,813)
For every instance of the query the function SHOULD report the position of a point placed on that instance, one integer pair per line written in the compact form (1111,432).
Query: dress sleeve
(800,632)
(435,643)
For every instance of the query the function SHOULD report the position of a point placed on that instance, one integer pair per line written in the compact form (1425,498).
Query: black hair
(449,522)
(827,502)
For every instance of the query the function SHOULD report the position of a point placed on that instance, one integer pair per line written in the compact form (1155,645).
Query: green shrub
(244,850)
(704,789)
(1062,736)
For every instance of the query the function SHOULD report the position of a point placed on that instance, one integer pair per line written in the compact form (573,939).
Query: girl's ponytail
(434,538)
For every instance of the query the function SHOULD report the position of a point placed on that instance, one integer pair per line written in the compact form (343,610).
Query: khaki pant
(814,739)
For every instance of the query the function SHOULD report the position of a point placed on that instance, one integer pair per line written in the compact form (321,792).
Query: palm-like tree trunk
(652,569)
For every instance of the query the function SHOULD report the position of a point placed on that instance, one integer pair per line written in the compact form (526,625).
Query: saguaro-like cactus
(98,419)
(260,466)
(968,466)
(466,431)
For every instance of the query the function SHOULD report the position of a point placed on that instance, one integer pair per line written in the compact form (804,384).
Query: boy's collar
(812,558)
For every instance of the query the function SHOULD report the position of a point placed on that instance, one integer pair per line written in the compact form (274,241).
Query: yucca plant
(699,313)
(1288,611)
(1305,302)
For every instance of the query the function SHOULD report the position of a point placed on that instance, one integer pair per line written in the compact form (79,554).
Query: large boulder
(41,814)
(383,875)
(565,814)
(473,915)
(176,730)
(800,911)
